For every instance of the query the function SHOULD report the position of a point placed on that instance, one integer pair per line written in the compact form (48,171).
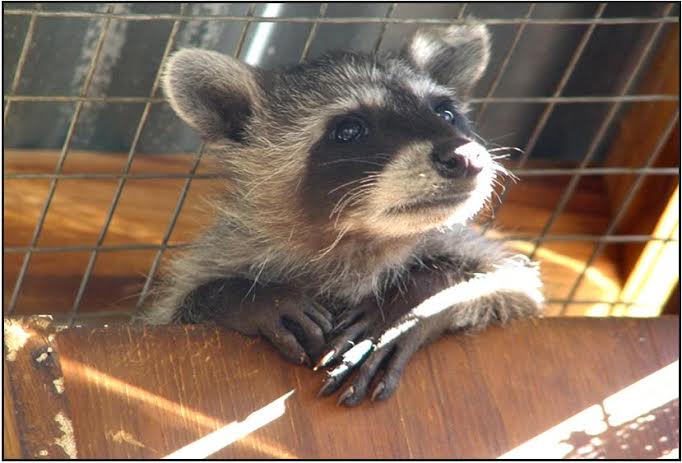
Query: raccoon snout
(458,158)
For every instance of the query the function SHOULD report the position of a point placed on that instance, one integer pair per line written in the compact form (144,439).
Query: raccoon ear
(455,56)
(212,92)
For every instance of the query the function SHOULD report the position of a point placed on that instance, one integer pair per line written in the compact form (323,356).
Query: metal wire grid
(576,174)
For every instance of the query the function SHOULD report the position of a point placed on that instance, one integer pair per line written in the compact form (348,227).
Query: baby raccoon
(341,237)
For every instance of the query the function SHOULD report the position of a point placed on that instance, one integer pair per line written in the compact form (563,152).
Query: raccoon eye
(349,130)
(446,111)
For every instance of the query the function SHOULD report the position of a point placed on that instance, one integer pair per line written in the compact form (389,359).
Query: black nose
(453,164)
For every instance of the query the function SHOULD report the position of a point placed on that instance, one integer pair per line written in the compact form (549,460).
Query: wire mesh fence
(624,95)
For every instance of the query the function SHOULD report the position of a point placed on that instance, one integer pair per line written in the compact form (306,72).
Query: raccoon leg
(434,303)
(295,324)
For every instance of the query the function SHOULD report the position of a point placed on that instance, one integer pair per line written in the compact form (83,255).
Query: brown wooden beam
(131,392)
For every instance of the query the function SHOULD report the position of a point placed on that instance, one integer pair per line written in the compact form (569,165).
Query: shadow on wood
(131,392)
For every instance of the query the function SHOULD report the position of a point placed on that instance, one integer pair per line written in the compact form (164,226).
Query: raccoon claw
(366,373)
(345,395)
(286,344)
(337,375)
(329,386)
(377,390)
(325,359)
(342,343)
(334,380)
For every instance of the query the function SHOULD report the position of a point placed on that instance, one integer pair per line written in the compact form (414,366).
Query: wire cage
(103,183)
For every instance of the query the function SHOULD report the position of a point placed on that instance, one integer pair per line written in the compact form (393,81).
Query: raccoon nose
(458,158)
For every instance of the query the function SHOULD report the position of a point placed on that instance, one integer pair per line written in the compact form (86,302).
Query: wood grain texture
(79,209)
(148,392)
(40,405)
(11,447)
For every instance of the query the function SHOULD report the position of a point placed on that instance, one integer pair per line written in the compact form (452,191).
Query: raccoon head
(376,145)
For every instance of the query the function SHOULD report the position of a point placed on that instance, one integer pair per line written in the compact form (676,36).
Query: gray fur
(199,84)
(456,56)
(261,231)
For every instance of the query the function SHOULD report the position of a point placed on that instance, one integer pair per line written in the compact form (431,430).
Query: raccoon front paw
(295,325)
(379,359)
(298,329)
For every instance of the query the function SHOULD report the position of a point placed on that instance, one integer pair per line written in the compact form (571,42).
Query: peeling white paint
(42,357)
(123,436)
(59,385)
(15,338)
(68,440)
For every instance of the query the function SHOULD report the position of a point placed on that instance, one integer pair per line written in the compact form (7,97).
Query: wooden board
(79,209)
(551,388)
(10,435)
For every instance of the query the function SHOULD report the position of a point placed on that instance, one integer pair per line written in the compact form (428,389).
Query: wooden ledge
(550,388)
